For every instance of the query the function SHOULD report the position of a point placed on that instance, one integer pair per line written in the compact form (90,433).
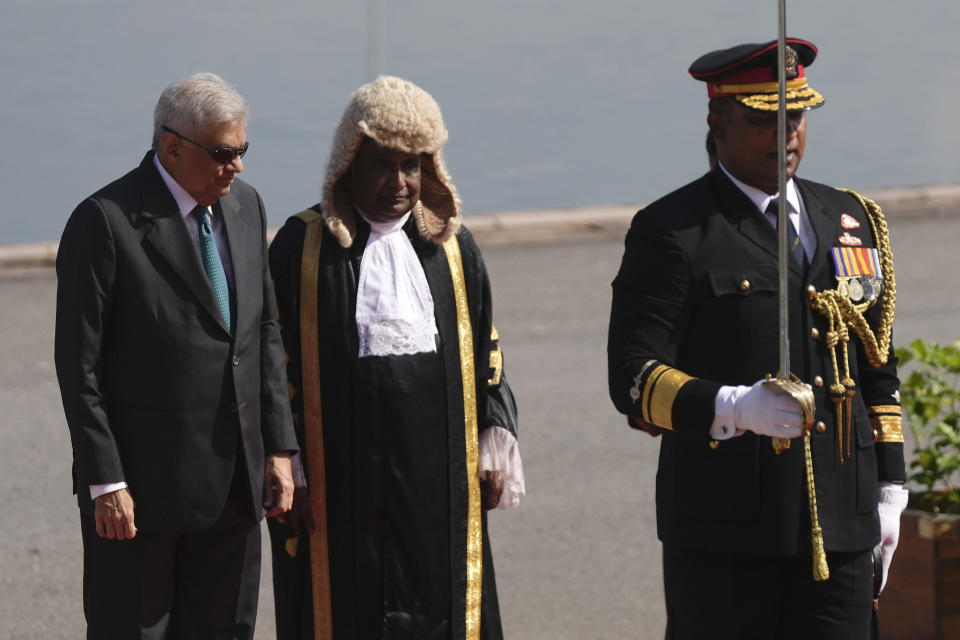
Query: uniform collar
(761,199)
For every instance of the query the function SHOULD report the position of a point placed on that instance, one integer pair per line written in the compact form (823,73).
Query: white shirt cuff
(500,451)
(97,490)
(724,424)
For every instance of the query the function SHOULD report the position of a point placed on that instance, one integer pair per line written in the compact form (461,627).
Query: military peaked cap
(749,73)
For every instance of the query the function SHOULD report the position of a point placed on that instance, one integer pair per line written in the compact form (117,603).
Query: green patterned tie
(212,263)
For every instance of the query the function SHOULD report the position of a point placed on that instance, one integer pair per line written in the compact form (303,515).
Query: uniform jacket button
(811,289)
(820,426)
(814,333)
(817,381)
(745,285)
(236,361)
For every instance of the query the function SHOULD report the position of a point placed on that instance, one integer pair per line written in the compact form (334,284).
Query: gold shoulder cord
(468,378)
(843,316)
(313,423)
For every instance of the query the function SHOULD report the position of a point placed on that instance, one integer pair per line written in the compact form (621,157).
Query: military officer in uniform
(694,331)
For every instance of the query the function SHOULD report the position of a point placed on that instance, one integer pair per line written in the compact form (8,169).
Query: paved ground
(579,560)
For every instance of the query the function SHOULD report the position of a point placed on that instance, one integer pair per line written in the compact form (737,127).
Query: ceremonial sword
(784,382)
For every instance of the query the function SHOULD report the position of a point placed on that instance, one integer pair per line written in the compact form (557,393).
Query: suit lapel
(824,227)
(167,233)
(237,237)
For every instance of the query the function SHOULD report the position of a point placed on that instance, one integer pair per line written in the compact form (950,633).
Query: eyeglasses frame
(237,152)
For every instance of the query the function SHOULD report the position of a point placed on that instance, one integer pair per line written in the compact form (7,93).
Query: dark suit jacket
(697,292)
(156,390)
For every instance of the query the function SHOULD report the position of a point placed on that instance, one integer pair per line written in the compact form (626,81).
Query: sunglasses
(220,155)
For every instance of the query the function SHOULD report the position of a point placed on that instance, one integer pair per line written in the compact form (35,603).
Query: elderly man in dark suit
(171,371)
(693,332)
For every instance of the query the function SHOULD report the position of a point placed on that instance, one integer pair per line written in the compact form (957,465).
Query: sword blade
(783,218)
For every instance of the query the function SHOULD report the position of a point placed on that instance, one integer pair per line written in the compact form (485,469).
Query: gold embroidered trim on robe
(313,423)
(474,531)
(887,422)
(496,358)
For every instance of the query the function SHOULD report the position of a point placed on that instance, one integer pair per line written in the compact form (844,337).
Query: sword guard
(799,392)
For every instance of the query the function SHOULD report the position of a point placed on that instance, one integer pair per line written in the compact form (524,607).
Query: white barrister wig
(397,114)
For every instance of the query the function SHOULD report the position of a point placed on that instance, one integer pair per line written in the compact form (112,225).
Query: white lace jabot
(394,305)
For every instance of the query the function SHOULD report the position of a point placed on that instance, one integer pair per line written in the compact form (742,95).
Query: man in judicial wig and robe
(406,423)
(768,510)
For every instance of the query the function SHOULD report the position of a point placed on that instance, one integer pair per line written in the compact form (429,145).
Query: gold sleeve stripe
(887,428)
(885,409)
(665,391)
(648,389)
(496,358)
(496,363)
(659,393)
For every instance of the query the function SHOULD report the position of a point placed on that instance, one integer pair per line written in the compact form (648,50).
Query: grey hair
(198,101)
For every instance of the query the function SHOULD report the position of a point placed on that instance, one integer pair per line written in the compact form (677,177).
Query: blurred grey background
(550,103)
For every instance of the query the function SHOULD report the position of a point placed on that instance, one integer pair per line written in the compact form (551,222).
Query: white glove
(759,409)
(893,500)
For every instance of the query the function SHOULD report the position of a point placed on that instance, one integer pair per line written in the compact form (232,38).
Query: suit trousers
(736,597)
(195,585)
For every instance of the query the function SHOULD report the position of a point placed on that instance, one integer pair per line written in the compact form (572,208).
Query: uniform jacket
(697,292)
(156,390)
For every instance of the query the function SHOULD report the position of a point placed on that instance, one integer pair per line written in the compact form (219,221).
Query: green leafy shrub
(930,396)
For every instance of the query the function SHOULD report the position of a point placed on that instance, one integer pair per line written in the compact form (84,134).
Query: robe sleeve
(496,406)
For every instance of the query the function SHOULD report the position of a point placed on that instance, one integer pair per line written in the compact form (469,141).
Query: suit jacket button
(817,381)
(814,333)
(714,445)
(820,427)
(236,361)
(745,285)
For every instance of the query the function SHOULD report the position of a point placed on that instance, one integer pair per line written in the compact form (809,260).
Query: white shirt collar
(185,201)
(761,199)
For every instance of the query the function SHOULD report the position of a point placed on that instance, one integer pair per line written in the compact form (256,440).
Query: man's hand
(113,513)
(277,484)
(765,412)
(642,425)
(300,515)
(491,488)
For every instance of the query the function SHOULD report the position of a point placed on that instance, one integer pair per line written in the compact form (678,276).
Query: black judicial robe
(362,499)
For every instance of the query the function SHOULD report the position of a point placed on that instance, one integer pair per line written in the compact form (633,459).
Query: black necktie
(793,240)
